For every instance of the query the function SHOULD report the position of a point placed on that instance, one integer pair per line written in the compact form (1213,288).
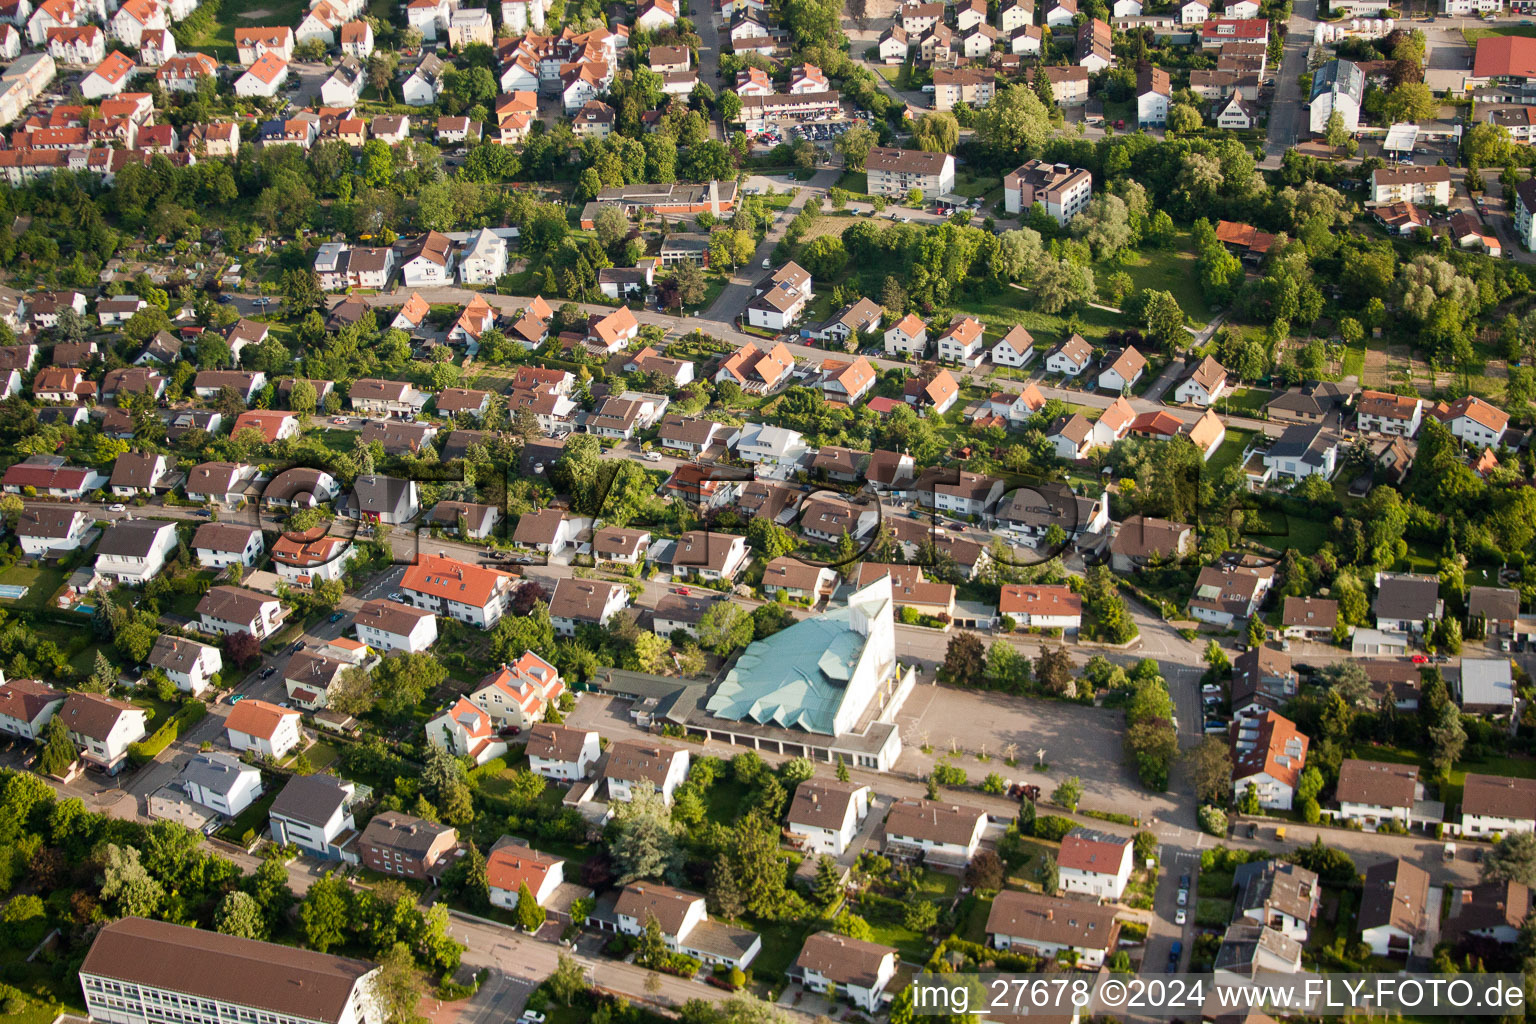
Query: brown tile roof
(842,960)
(822,803)
(637,761)
(278,979)
(1052,920)
(934,821)
(390,616)
(556,742)
(1394,895)
(1499,796)
(1377,783)
(669,906)
(93,715)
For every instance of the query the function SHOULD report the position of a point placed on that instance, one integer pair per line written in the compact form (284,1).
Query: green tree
(324,914)
(724,628)
(965,661)
(237,914)
(1447,739)
(397,986)
(1183,117)
(1163,319)
(642,841)
(1210,769)
(1334,132)
(529,915)
(1068,793)
(59,753)
(568,980)
(827,886)
(1512,859)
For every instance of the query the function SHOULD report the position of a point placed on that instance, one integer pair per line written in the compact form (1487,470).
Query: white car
(765,264)
(1183,897)
(530,1017)
(651,456)
(1180,917)
(117,508)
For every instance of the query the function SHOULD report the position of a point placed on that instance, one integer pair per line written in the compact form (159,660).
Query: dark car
(203,513)
(298,645)
(511,730)
(1183,881)
(269,672)
(338,616)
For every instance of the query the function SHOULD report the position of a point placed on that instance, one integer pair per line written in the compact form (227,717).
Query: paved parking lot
(1077,740)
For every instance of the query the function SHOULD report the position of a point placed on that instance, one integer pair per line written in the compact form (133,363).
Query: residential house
(1269,754)
(1123,371)
(1049,926)
(962,342)
(471,521)
(1492,911)
(466,731)
(391,626)
(1226,593)
(934,392)
(1309,618)
(222,482)
(1154,93)
(1406,183)
(42,529)
(102,729)
(373,397)
(1391,917)
(1070,358)
(263,78)
(767,444)
(681,916)
(469,593)
(1263,678)
(406,846)
(382,499)
(1383,413)
(1205,384)
(1407,602)
(26,706)
(190,665)
(226,609)
(780,298)
(1071,436)
(577,601)
(633,763)
(1095,863)
(221,783)
(857,970)
(1278,895)
(560,752)
(1371,792)
(517,694)
(263,728)
(1016,348)
(49,475)
(314,813)
(909,337)
(1041,607)
(133,551)
(939,833)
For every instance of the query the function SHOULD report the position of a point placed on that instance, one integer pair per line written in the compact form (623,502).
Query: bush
(189,714)
(1311,813)
(1052,827)
(1213,820)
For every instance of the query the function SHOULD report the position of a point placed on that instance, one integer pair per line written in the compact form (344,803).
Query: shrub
(1052,827)
(1213,820)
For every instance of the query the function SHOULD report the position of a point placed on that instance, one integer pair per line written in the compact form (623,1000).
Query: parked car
(651,456)
(338,616)
(269,672)
(1181,917)
(298,645)
(119,507)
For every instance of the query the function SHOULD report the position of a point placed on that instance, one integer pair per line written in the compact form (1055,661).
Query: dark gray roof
(1304,443)
(1406,596)
(131,538)
(380,494)
(311,799)
(215,772)
(1339,76)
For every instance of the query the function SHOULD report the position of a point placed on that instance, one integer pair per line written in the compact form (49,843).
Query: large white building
(1063,190)
(1337,85)
(144,972)
(895,172)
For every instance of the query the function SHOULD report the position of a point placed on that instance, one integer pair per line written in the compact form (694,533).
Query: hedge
(190,713)
(1052,827)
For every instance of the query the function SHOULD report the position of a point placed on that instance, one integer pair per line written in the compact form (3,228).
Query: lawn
(1472,35)
(973,922)
(1170,270)
(1231,450)
(220,39)
(1002,311)
(253,818)
(1246,401)
(1354,361)
(42,582)
(782,941)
